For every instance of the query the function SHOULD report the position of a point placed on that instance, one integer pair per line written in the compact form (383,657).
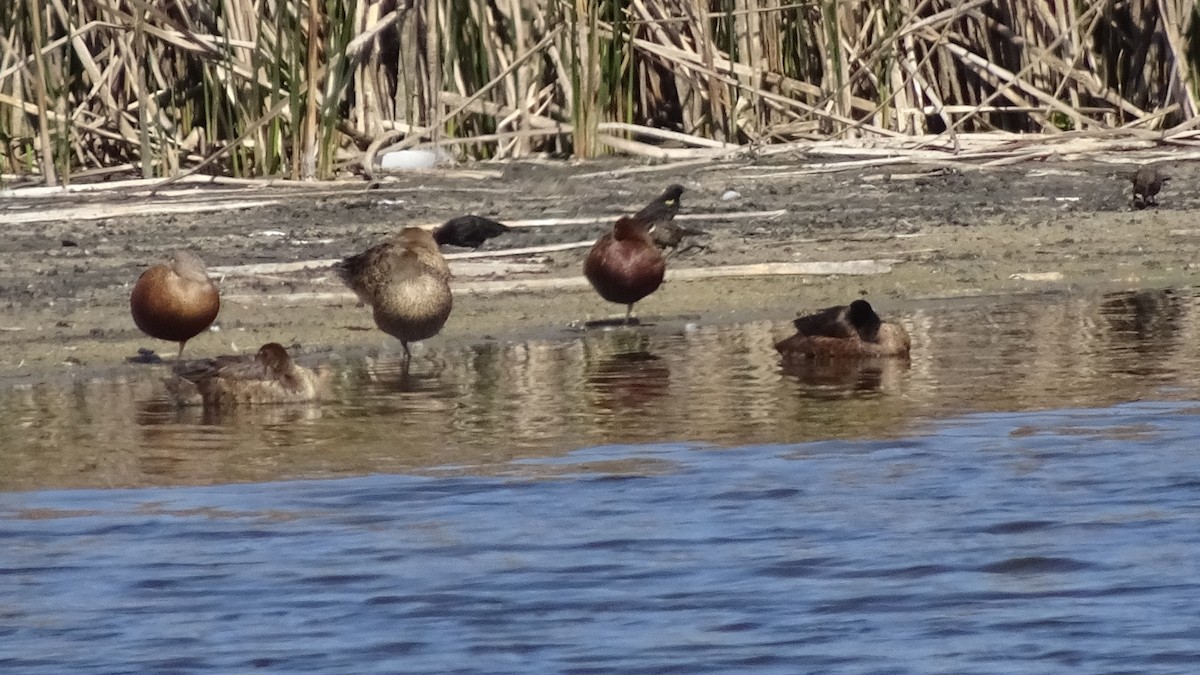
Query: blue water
(1023,498)
(1061,541)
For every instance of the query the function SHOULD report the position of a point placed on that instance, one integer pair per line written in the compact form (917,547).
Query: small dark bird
(406,281)
(468,231)
(624,265)
(1147,183)
(670,235)
(845,331)
(270,376)
(659,215)
(175,300)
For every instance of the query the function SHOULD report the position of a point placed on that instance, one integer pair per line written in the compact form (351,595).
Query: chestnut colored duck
(845,331)
(624,265)
(175,300)
(406,281)
(270,376)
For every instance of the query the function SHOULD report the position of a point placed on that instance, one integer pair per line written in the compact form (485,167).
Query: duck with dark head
(406,281)
(624,265)
(175,300)
(845,331)
(659,216)
(270,376)
(468,231)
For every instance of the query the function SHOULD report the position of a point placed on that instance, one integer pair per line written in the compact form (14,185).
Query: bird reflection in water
(1145,330)
(164,412)
(383,375)
(850,375)
(626,376)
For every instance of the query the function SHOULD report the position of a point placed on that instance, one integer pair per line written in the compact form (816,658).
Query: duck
(175,300)
(270,376)
(624,265)
(660,214)
(1147,183)
(406,281)
(845,331)
(468,231)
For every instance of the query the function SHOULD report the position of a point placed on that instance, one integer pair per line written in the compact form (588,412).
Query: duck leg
(629,314)
(404,362)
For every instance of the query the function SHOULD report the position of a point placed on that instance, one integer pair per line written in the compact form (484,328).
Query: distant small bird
(1147,183)
(468,231)
(406,281)
(659,215)
(270,376)
(176,300)
(845,331)
(624,265)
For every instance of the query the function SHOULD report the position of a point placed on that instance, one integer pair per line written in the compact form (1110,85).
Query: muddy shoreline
(1064,226)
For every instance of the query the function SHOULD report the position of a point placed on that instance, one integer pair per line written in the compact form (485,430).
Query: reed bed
(315,89)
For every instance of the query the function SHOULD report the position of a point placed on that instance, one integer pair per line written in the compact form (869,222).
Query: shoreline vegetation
(234,89)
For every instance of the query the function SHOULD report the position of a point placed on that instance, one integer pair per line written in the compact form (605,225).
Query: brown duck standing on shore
(270,376)
(468,231)
(659,215)
(1147,183)
(624,265)
(845,331)
(406,281)
(175,300)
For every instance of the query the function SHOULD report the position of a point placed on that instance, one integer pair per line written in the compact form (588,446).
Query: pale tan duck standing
(406,281)
(270,376)
(845,331)
(175,300)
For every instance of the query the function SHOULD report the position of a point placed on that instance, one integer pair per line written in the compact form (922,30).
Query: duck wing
(829,322)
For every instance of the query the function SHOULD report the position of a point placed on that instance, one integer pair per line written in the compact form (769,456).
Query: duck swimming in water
(624,265)
(175,300)
(270,376)
(406,281)
(845,331)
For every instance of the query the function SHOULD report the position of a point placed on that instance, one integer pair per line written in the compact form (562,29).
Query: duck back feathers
(845,331)
(406,281)
(468,231)
(176,300)
(624,265)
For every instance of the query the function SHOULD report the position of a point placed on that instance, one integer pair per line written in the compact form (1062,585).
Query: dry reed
(312,89)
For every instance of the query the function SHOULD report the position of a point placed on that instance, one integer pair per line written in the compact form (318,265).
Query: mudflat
(923,233)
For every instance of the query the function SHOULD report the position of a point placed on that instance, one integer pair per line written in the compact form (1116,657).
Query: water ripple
(757,557)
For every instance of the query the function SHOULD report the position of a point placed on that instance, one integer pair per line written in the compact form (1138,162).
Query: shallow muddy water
(1018,498)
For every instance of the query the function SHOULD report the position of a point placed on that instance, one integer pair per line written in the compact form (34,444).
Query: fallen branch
(591,220)
(526,250)
(101,211)
(848,267)
(458,269)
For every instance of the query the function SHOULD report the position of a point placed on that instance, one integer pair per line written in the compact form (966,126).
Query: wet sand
(66,275)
